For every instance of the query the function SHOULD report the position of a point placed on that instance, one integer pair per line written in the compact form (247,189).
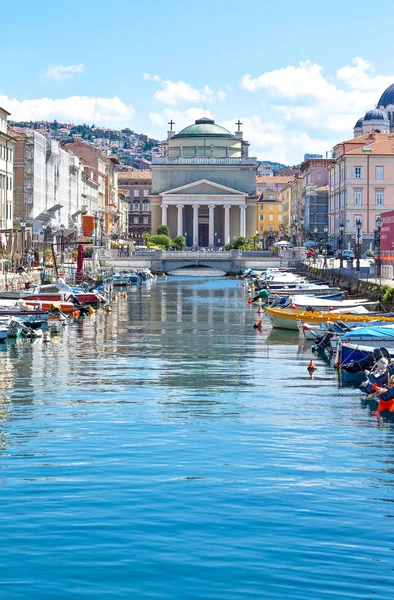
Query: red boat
(61,292)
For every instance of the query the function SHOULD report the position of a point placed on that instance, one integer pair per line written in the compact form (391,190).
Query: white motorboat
(326,304)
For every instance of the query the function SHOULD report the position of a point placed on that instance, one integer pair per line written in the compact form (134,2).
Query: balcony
(204,160)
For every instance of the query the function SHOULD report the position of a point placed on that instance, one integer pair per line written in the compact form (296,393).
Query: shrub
(179,242)
(161,241)
(163,230)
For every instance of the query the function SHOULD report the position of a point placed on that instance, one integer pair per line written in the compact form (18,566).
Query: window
(270,196)
(358,218)
(146,193)
(271,217)
(358,172)
(271,228)
(358,197)
(280,218)
(261,217)
(261,227)
(146,207)
(145,220)
(136,220)
(379,197)
(379,172)
(136,193)
(271,207)
(136,207)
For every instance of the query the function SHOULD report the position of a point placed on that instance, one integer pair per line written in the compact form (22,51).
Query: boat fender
(311,367)
(293,306)
(250,301)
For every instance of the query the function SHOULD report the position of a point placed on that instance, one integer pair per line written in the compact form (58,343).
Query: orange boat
(66,307)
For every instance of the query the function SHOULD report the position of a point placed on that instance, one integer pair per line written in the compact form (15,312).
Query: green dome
(204,128)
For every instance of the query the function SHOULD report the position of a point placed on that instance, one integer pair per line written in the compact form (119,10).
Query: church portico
(213,200)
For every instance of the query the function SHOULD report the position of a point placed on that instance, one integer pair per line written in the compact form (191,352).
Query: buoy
(250,301)
(91,310)
(293,306)
(124,296)
(331,308)
(243,285)
(311,367)
(77,314)
(259,300)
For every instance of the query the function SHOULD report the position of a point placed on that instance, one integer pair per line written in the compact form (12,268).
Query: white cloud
(61,72)
(303,95)
(156,118)
(177,92)
(111,112)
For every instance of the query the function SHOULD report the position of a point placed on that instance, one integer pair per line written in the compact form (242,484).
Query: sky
(297,74)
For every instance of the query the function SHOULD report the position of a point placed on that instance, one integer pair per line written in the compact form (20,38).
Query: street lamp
(23,226)
(341,230)
(255,238)
(215,238)
(62,243)
(185,236)
(379,223)
(325,229)
(358,228)
(101,220)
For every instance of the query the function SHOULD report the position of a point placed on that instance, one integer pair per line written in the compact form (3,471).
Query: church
(380,119)
(204,185)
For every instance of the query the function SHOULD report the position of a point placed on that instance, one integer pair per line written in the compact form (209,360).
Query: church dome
(359,123)
(387,97)
(376,115)
(204,128)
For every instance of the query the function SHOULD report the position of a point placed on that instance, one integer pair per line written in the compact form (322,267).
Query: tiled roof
(380,146)
(133,175)
(274,179)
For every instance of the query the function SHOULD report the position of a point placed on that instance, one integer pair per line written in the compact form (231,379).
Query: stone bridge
(233,261)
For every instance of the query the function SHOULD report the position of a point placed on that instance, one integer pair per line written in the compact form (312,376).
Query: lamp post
(62,243)
(101,219)
(326,246)
(255,238)
(358,228)
(185,236)
(341,230)
(23,227)
(379,223)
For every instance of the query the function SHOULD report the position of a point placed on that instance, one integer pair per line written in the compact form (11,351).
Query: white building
(7,145)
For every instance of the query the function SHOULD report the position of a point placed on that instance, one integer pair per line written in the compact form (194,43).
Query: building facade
(137,186)
(361,185)
(7,147)
(269,208)
(314,212)
(204,185)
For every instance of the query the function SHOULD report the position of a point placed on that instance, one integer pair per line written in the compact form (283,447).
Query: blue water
(168,450)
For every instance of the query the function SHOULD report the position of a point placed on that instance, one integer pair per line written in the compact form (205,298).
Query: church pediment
(203,187)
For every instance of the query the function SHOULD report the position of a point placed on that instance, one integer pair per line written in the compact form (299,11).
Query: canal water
(168,450)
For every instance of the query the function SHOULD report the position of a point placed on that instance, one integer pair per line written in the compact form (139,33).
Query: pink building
(361,185)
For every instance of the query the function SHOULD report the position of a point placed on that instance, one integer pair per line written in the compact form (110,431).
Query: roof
(387,97)
(5,111)
(376,114)
(359,122)
(274,179)
(135,175)
(380,143)
(203,128)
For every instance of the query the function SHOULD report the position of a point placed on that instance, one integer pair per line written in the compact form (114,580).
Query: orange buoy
(77,314)
(124,296)
(311,367)
(250,301)
(243,285)
(293,306)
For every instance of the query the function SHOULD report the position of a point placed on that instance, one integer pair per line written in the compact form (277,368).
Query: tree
(179,242)
(161,240)
(163,230)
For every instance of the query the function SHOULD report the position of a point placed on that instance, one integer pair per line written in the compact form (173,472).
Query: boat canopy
(376,331)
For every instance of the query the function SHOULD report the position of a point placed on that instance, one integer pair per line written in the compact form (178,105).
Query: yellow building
(269,208)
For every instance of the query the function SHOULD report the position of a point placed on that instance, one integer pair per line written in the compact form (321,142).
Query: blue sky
(297,74)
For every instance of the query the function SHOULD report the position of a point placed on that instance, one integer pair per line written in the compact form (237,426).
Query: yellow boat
(286,318)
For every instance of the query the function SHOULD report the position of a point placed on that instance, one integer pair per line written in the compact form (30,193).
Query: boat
(61,292)
(328,304)
(286,318)
(319,290)
(120,279)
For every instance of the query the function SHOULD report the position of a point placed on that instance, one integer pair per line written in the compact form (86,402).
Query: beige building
(361,185)
(269,207)
(7,146)
(137,185)
(204,185)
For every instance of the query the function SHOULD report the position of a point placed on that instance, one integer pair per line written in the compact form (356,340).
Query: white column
(164,208)
(227,223)
(180,219)
(195,224)
(242,221)
(211,230)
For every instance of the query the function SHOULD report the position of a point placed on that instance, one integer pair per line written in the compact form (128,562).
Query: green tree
(161,240)
(179,242)
(163,230)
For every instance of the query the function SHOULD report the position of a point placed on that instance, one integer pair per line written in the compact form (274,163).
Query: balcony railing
(204,160)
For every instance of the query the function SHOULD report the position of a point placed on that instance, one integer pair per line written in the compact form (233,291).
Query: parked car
(348,254)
